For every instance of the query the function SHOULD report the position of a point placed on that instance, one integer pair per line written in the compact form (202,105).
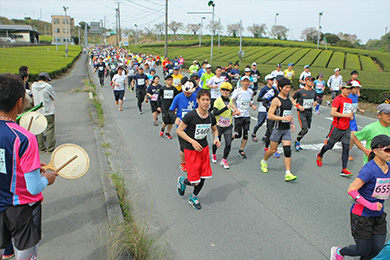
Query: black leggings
(302,133)
(227,134)
(344,156)
(270,126)
(141,97)
(197,188)
(365,248)
(101,79)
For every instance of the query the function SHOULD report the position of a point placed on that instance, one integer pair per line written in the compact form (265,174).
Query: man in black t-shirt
(141,82)
(194,128)
(101,68)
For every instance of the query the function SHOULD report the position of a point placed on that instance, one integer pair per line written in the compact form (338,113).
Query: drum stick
(66,163)
(30,124)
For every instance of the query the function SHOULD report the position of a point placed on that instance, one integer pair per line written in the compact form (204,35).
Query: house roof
(14,28)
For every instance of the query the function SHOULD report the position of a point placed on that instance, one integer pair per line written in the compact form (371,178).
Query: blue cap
(306,66)
(152,69)
(291,64)
(176,68)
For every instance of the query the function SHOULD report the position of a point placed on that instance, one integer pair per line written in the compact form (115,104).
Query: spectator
(44,92)
(24,69)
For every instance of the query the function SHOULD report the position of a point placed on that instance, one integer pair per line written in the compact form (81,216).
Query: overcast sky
(366,18)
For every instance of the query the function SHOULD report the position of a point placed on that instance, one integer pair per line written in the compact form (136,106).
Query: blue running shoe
(277,155)
(297,146)
(181,188)
(194,202)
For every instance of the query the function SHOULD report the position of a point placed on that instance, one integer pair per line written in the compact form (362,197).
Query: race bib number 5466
(201,131)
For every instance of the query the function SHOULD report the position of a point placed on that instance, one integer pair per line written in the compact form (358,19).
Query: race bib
(347,108)
(223,121)
(254,76)
(217,91)
(286,113)
(319,86)
(3,169)
(354,107)
(101,68)
(168,94)
(289,74)
(154,97)
(308,103)
(382,189)
(140,82)
(170,71)
(113,66)
(201,131)
(245,103)
(176,82)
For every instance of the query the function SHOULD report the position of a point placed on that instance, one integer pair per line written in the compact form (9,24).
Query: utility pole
(66,31)
(241,40)
(201,31)
(166,28)
(211,3)
(386,30)
(319,29)
(104,30)
(40,10)
(86,35)
(45,29)
(219,35)
(55,30)
(276,17)
(79,37)
(119,23)
(116,26)
(136,34)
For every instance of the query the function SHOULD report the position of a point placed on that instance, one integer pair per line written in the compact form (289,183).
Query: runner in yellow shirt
(289,73)
(177,78)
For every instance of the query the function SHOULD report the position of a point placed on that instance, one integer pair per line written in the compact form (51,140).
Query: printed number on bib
(168,94)
(308,103)
(245,103)
(2,162)
(382,189)
(140,82)
(223,121)
(154,97)
(289,74)
(201,131)
(286,113)
(347,108)
(354,107)
(101,68)
(176,82)
(254,76)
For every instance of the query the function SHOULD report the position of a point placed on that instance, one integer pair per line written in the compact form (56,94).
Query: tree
(233,29)
(175,26)
(310,34)
(193,28)
(149,31)
(331,39)
(279,32)
(352,38)
(82,25)
(159,28)
(258,30)
(216,28)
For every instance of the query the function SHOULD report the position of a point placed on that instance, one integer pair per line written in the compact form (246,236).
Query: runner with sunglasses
(369,191)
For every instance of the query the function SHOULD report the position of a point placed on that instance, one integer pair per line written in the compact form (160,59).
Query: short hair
(41,77)
(283,82)
(23,68)
(120,68)
(203,92)
(218,67)
(23,74)
(11,90)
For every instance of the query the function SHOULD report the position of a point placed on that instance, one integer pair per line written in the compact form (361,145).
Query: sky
(365,18)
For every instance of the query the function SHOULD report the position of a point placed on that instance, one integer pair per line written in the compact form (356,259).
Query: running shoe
(155,123)
(346,173)
(263,166)
(319,160)
(264,139)
(132,89)
(162,132)
(297,146)
(335,254)
(214,158)
(140,112)
(254,138)
(119,108)
(194,202)
(318,113)
(265,149)
(224,164)
(183,167)
(181,188)
(350,158)
(116,103)
(146,101)
(328,103)
(241,154)
(290,177)
(8,256)
(168,135)
(277,155)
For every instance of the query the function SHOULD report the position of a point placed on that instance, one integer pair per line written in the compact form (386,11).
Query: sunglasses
(224,89)
(385,149)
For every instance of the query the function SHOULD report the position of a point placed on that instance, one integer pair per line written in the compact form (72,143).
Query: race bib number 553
(382,189)
(201,131)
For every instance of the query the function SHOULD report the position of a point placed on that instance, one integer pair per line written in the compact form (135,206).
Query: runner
(334,83)
(225,75)
(247,73)
(305,98)
(354,77)
(280,113)
(262,114)
(194,67)
(101,67)
(164,101)
(354,96)
(177,78)
(119,81)
(222,110)
(131,73)
(241,102)
(21,182)
(169,68)
(182,104)
(202,70)
(289,72)
(234,74)
(319,86)
(141,82)
(152,92)
(112,66)
(278,71)
(214,84)
(206,76)
(306,73)
(194,130)
(339,130)
(255,74)
(380,127)
(369,191)
(181,63)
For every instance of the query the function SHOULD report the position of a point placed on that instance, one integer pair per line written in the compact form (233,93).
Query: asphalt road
(246,214)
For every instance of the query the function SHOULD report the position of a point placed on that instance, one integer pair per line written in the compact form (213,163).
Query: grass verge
(90,87)
(128,238)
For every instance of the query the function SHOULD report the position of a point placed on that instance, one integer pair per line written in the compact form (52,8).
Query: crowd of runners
(218,100)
